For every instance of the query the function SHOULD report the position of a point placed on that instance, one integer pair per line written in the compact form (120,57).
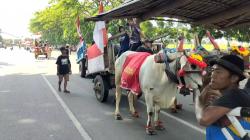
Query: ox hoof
(118,117)
(173,110)
(150,131)
(159,126)
(179,106)
(135,114)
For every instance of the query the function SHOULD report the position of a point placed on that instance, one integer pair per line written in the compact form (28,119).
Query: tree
(57,22)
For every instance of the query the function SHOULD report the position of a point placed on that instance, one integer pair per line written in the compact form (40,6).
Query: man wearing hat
(146,47)
(227,72)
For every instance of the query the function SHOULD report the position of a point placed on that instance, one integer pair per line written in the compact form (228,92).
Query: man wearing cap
(227,72)
(146,47)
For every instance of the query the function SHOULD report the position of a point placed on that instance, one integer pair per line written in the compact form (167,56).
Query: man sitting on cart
(227,72)
(124,40)
(146,47)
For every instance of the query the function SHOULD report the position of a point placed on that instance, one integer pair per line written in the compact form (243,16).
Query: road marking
(180,120)
(72,117)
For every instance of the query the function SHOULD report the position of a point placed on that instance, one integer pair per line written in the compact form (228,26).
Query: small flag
(95,52)
(78,28)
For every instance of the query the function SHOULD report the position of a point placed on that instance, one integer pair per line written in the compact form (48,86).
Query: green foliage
(56,23)
(239,33)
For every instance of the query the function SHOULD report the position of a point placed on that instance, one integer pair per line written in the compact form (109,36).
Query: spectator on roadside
(68,49)
(63,69)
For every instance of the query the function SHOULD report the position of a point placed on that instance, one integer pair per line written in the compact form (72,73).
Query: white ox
(158,89)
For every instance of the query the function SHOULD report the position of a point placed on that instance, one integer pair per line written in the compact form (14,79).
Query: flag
(78,28)
(95,52)
(81,49)
(100,32)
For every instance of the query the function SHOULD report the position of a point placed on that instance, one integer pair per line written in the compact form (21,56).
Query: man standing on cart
(124,41)
(227,72)
(146,47)
(135,34)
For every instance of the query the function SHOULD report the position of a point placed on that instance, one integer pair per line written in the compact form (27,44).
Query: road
(32,109)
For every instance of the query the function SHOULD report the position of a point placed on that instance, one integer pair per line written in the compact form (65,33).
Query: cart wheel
(82,68)
(101,88)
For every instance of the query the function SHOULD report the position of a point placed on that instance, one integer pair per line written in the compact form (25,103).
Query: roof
(218,13)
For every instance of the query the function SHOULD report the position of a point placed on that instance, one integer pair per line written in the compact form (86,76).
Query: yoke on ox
(159,91)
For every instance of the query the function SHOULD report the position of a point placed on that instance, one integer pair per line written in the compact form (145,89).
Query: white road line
(76,123)
(180,120)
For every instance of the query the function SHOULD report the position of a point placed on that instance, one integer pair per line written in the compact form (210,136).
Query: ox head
(191,70)
(186,69)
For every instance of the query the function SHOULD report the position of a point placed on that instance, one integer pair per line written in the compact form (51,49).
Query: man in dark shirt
(227,72)
(135,34)
(68,52)
(63,69)
(146,47)
(124,41)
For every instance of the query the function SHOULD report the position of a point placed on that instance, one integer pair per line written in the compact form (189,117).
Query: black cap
(148,41)
(232,63)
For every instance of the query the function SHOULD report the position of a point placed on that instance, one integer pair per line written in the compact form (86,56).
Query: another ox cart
(42,49)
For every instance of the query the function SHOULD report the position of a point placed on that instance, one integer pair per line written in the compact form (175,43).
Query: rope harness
(172,76)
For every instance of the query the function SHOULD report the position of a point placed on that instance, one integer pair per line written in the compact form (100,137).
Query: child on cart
(63,69)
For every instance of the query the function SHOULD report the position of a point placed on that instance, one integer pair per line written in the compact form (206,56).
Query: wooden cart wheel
(101,88)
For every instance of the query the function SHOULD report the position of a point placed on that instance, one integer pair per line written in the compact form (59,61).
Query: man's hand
(211,97)
(208,95)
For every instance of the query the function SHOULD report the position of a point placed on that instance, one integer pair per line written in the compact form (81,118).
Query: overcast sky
(15,15)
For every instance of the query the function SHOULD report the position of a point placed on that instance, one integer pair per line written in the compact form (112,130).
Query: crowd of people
(131,38)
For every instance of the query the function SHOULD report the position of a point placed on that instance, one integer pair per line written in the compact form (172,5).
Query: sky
(16,14)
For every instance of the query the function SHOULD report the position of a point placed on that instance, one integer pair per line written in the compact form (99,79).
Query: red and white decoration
(95,52)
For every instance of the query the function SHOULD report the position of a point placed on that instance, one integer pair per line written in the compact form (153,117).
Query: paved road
(31,108)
